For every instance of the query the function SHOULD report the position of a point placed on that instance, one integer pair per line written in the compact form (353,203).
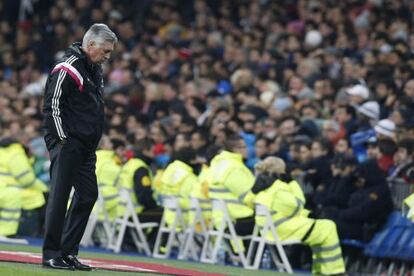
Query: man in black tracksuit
(73,122)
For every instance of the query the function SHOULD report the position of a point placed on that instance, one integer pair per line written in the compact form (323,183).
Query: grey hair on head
(99,33)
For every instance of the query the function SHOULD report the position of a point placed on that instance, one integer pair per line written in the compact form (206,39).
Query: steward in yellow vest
(408,207)
(232,181)
(179,179)
(136,176)
(16,171)
(156,187)
(10,210)
(107,173)
(285,203)
(19,187)
(200,190)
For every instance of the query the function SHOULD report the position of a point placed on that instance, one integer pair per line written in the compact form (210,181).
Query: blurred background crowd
(312,82)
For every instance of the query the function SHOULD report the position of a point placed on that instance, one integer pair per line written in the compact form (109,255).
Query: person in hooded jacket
(367,208)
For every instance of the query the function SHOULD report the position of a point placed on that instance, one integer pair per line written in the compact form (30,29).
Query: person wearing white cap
(368,115)
(370,110)
(386,128)
(313,38)
(357,94)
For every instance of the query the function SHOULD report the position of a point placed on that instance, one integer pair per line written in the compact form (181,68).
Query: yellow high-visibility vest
(231,181)
(16,171)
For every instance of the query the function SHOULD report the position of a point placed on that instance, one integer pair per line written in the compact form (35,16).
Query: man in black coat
(341,187)
(368,207)
(73,122)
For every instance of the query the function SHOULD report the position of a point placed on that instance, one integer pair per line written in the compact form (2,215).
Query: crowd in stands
(328,86)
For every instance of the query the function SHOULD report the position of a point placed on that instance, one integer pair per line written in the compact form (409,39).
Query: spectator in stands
(386,96)
(294,156)
(358,94)
(345,115)
(261,151)
(403,169)
(368,114)
(288,127)
(341,186)
(367,208)
(373,152)
(343,147)
(318,172)
(401,116)
(332,131)
(387,148)
(407,99)
(199,142)
(385,129)
(305,152)
(180,141)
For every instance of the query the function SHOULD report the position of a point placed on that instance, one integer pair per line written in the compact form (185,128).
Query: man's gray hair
(99,33)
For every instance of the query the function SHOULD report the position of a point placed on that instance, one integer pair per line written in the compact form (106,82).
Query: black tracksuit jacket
(73,104)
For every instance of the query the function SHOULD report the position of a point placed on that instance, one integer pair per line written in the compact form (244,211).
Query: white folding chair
(172,231)
(189,245)
(137,228)
(98,216)
(215,238)
(260,239)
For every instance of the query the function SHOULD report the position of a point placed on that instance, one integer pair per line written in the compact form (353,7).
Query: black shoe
(57,263)
(73,261)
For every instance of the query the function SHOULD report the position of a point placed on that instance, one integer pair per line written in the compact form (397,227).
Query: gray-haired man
(73,122)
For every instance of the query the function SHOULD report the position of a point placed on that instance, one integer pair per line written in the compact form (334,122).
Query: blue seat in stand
(384,242)
(404,248)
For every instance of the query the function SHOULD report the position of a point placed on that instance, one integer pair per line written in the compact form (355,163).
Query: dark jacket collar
(7,141)
(76,49)
(146,159)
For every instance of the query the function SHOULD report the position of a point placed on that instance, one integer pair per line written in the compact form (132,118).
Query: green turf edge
(228,270)
(20,269)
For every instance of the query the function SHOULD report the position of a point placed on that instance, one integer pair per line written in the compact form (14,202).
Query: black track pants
(72,165)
